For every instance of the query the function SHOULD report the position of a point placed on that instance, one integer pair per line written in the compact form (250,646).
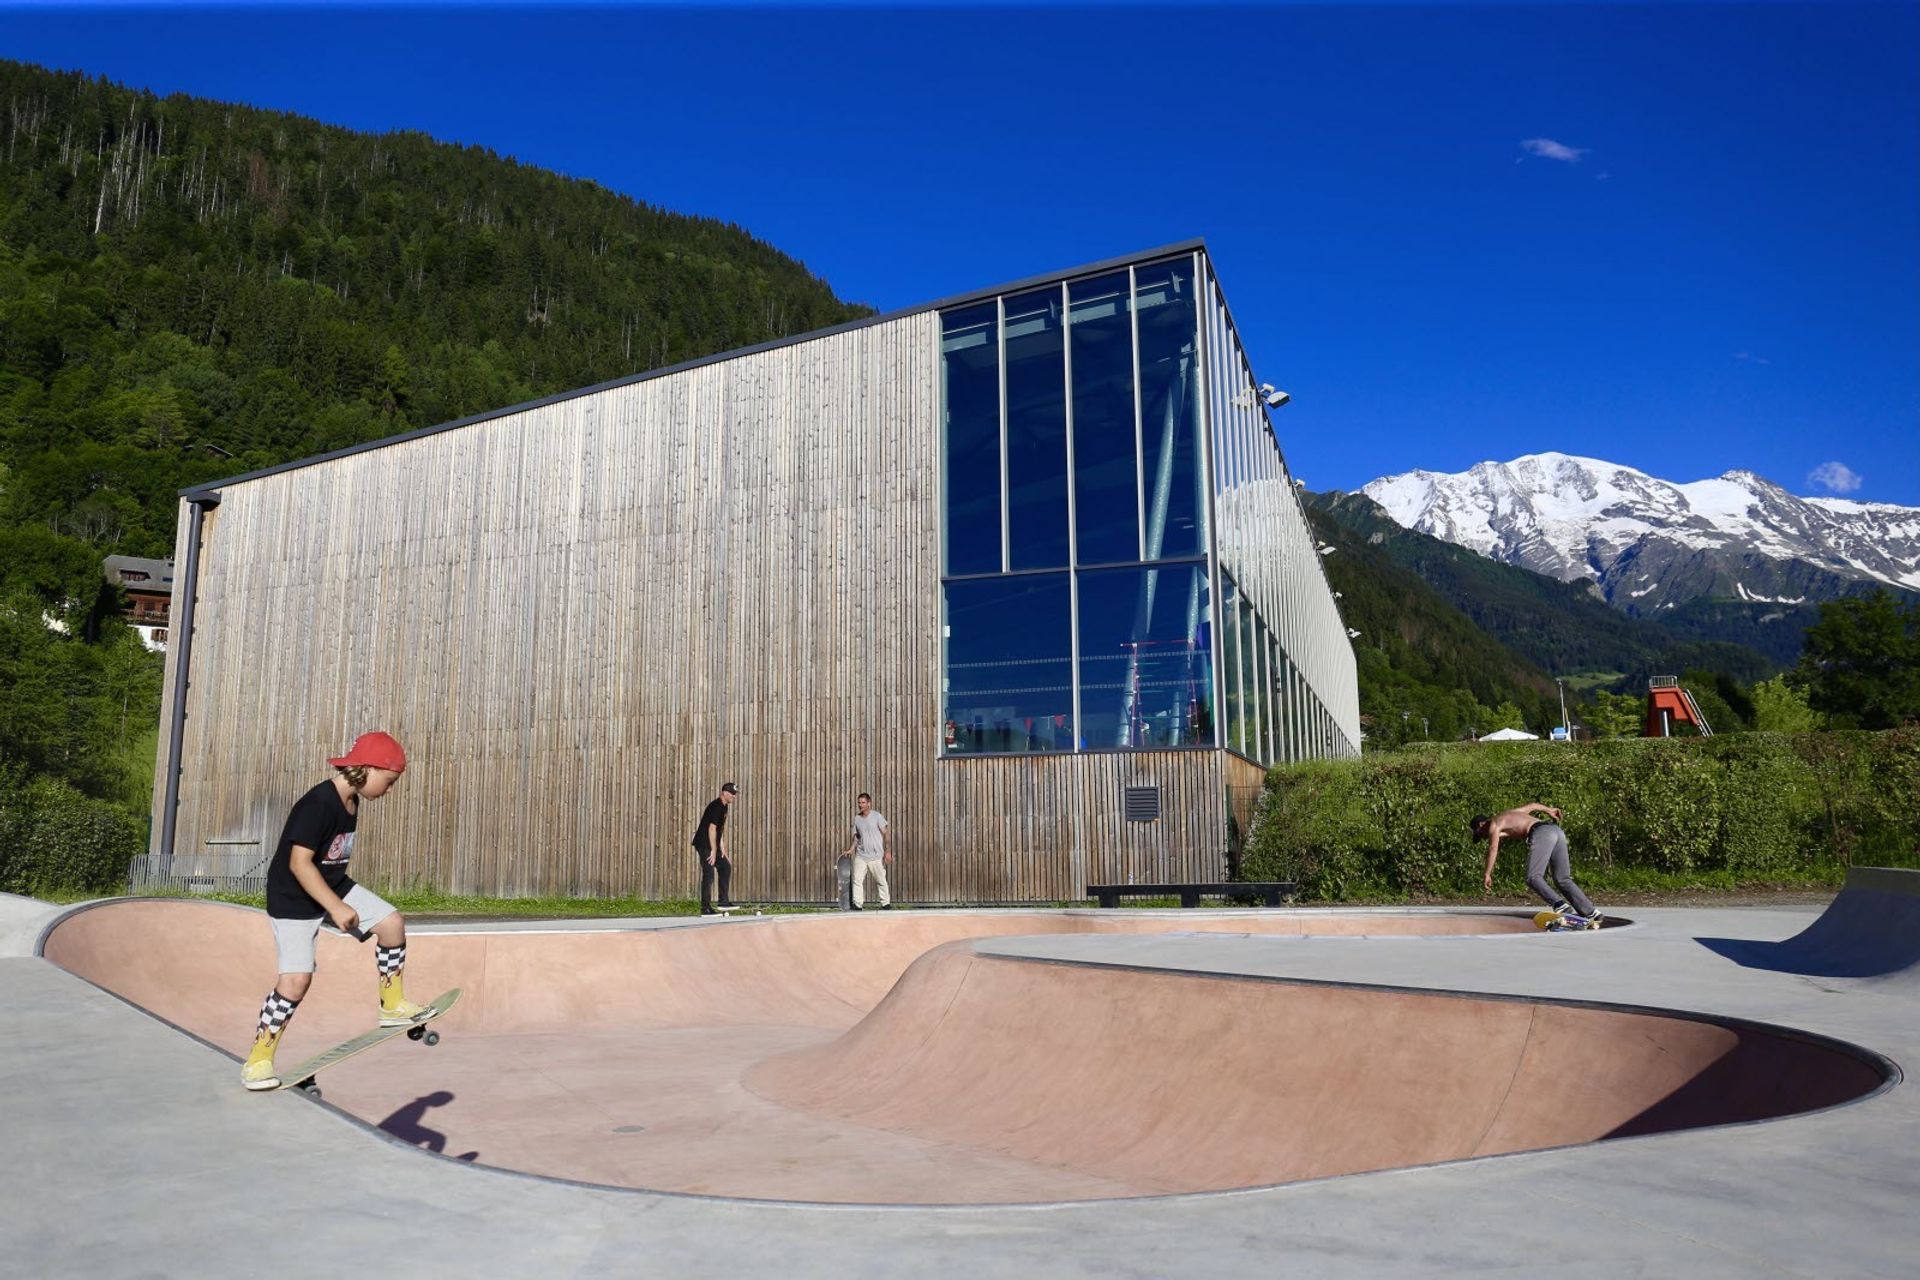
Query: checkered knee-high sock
(275,1012)
(390,961)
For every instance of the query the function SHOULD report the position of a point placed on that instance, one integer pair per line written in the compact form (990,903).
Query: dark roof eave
(210,488)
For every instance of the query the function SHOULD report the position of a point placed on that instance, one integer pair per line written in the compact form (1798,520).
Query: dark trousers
(722,864)
(1547,855)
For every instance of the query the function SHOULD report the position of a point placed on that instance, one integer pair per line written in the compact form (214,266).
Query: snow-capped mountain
(1652,544)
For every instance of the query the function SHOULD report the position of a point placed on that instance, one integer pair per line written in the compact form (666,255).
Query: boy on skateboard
(307,883)
(1546,854)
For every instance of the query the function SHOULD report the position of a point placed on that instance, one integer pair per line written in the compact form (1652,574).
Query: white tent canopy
(1510,735)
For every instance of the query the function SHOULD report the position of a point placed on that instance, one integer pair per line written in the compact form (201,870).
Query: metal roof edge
(210,488)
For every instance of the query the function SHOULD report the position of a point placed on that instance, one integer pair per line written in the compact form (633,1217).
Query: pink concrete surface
(881,1058)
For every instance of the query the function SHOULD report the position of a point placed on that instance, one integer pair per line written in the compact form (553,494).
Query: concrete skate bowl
(1870,930)
(896,1060)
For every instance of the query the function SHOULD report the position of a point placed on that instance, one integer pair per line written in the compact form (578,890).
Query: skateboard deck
(1558,922)
(843,879)
(301,1076)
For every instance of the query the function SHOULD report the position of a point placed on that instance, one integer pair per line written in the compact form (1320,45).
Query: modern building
(1027,565)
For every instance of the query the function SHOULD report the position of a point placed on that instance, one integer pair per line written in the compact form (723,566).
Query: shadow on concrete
(405,1124)
(1793,957)
(1870,930)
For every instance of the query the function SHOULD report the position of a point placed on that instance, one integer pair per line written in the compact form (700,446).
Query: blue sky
(1685,238)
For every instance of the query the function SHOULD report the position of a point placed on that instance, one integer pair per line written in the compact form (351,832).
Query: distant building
(149,588)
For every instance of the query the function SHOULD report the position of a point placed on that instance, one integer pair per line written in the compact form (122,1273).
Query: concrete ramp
(21,922)
(884,1059)
(1870,930)
(1177,1082)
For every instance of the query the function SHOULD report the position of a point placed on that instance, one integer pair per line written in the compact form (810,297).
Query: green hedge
(1749,807)
(53,838)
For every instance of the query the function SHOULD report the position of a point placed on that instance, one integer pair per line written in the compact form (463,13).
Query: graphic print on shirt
(338,852)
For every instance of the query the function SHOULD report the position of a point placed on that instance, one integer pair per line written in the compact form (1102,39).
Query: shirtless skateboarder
(1546,856)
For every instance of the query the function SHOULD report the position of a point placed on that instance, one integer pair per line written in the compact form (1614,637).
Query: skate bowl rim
(1889,1071)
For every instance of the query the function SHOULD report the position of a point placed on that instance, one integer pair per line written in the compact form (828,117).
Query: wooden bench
(1269,891)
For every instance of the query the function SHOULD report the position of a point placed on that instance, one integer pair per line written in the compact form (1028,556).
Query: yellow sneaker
(400,1012)
(258,1074)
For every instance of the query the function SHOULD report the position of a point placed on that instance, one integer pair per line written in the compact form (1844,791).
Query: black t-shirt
(320,821)
(715,817)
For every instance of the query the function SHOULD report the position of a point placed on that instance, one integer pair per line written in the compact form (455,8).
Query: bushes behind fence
(53,838)
(1751,806)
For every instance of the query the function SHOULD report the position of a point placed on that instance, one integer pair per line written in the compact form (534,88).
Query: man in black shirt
(710,841)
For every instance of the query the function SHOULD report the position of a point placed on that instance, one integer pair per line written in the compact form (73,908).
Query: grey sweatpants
(1547,852)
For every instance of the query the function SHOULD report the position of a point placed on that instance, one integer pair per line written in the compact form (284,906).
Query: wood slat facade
(581,615)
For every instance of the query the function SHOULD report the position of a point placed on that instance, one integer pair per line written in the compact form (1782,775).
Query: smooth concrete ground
(129,1151)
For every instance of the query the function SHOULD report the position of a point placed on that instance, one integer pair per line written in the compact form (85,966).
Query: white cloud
(1834,477)
(1548,149)
(1750,358)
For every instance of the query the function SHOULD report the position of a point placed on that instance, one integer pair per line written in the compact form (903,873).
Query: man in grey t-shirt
(871,848)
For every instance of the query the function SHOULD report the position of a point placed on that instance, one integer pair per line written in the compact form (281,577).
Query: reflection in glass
(1169,408)
(1036,432)
(1250,629)
(970,365)
(1009,665)
(1146,670)
(1106,490)
(1230,698)
(1277,699)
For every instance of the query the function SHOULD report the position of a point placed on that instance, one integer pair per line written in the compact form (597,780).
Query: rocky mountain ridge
(1650,544)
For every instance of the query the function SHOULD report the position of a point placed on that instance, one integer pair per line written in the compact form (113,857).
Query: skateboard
(301,1077)
(843,879)
(1563,922)
(732,907)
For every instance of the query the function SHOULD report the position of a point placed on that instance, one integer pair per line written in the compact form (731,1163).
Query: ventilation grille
(1140,804)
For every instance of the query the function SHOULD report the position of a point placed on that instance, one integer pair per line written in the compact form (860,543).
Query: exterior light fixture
(1274,397)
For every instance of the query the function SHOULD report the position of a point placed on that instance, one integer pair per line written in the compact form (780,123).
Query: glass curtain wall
(1263,576)
(973,492)
(1077,600)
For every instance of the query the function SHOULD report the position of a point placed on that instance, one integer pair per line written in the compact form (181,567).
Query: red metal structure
(1669,706)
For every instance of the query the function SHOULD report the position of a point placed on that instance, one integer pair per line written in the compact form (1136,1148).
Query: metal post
(180,639)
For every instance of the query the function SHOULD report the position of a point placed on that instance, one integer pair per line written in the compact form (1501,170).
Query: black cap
(728,786)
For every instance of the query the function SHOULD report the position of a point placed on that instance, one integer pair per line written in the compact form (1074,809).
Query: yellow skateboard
(301,1077)
(1563,922)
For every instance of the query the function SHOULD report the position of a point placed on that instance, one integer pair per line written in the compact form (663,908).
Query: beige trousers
(864,867)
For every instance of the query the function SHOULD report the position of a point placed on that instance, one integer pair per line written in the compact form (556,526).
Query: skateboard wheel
(414,1033)
(432,1038)
(311,1089)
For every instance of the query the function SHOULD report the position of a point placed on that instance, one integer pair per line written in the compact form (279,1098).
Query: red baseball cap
(376,750)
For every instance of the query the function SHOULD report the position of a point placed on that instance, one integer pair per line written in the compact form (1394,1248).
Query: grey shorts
(293,939)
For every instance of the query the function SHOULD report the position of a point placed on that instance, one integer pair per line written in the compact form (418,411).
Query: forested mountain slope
(1426,669)
(192,289)
(1561,627)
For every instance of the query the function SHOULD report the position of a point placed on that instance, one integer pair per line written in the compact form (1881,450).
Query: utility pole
(1565,728)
